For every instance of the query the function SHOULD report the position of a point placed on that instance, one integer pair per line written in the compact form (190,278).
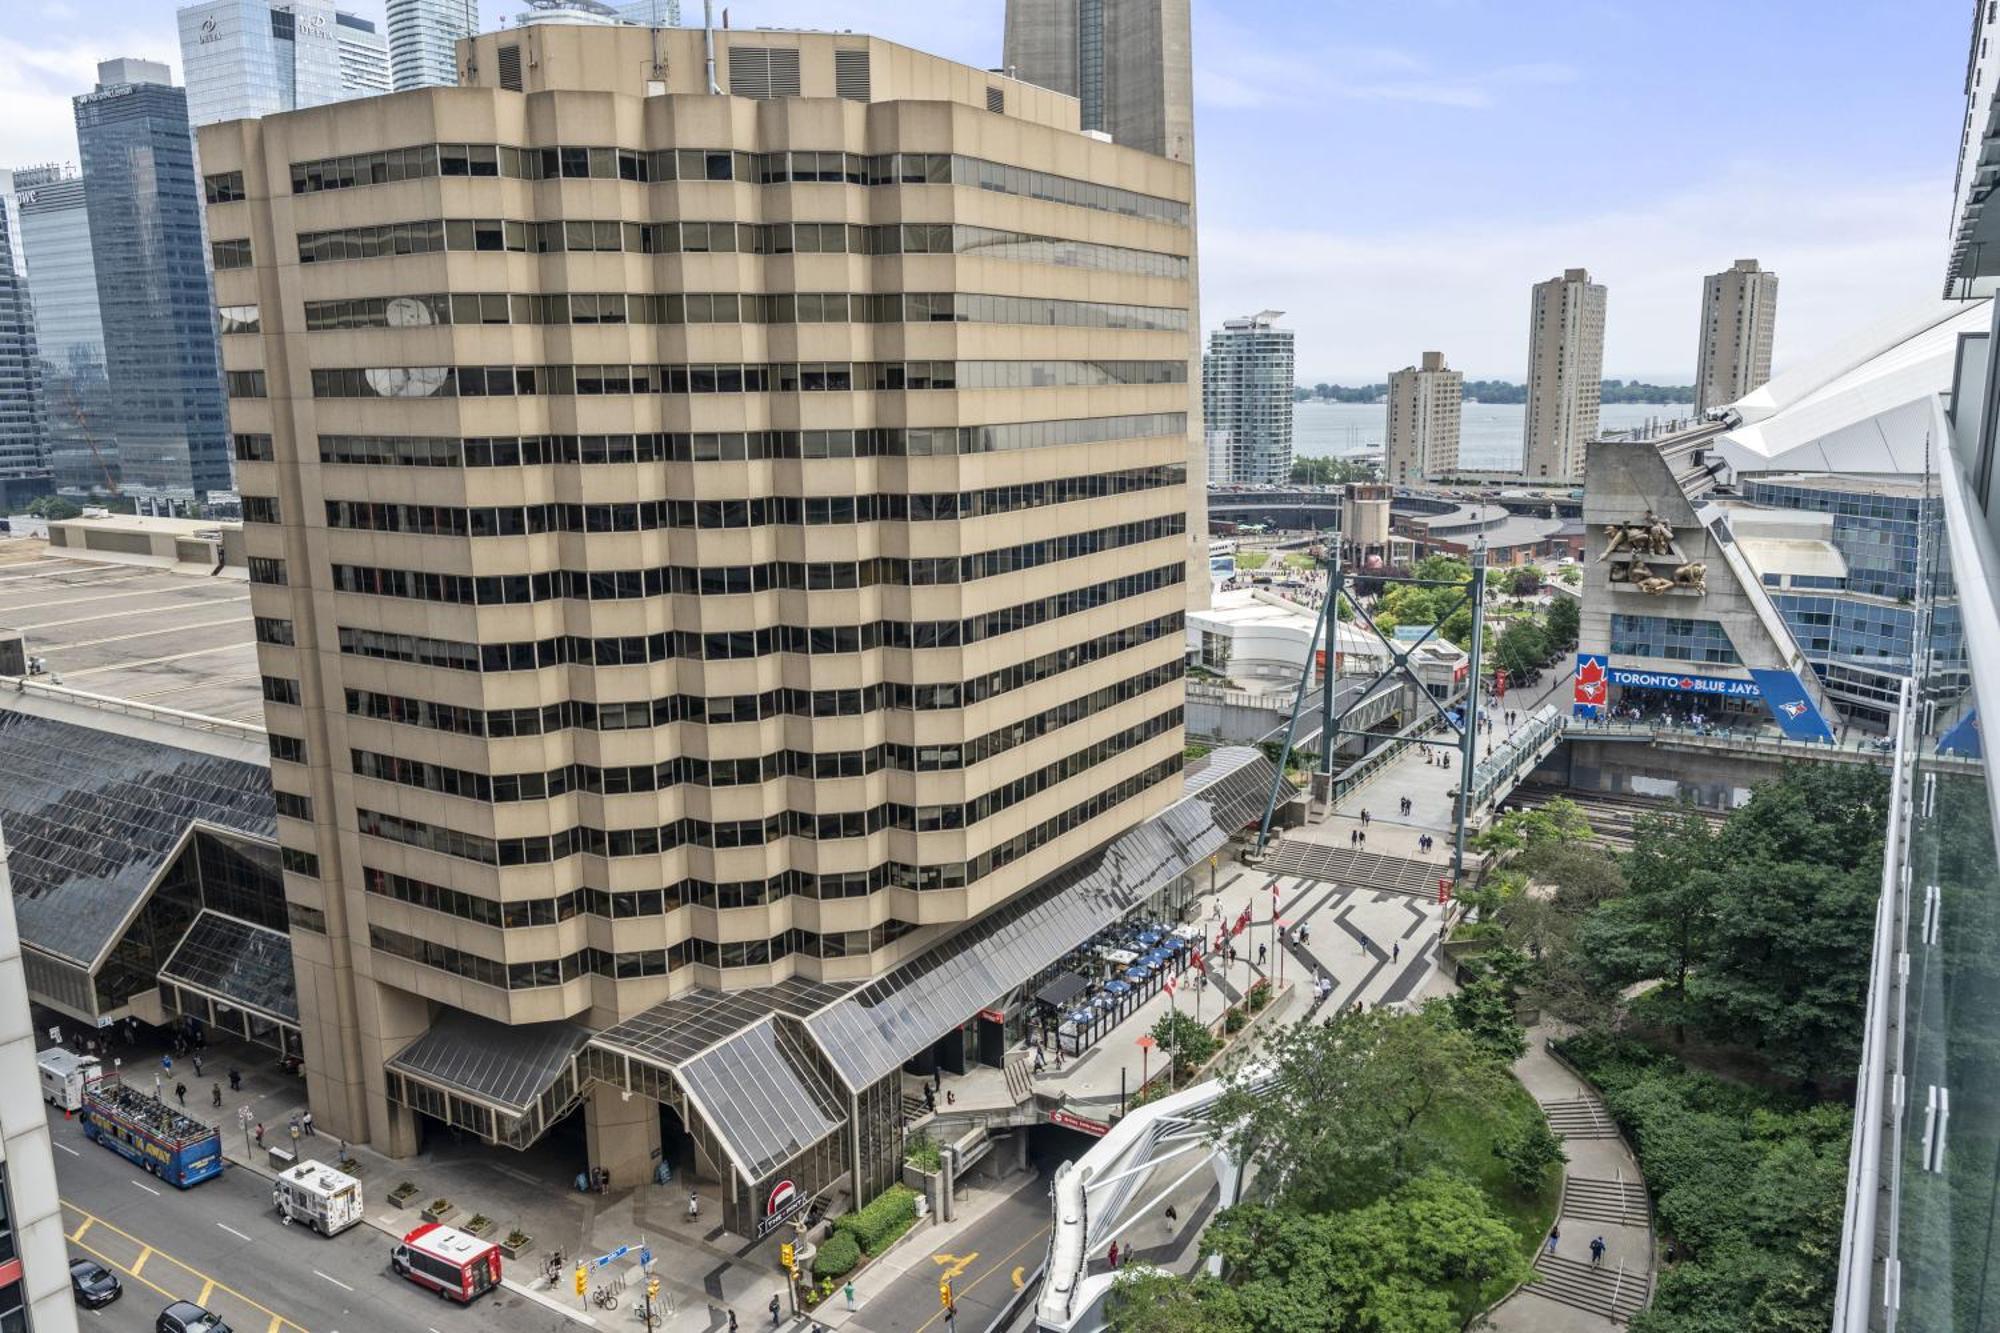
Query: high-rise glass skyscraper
(153,288)
(23,438)
(1246,389)
(423,40)
(253,57)
(69,334)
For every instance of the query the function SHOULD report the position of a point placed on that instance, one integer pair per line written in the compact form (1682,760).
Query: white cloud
(44,74)
(1846,253)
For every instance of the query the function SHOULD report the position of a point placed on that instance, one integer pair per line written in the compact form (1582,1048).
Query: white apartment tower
(245,58)
(1565,375)
(1246,391)
(1739,310)
(423,40)
(1422,438)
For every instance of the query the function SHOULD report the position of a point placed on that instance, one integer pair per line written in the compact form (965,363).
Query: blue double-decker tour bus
(169,1143)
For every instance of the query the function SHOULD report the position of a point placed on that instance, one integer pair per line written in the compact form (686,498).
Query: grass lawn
(1252,559)
(1468,1147)
(1300,560)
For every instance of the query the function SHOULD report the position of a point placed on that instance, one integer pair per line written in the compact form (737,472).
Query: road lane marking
(78,1233)
(953,1264)
(71,1151)
(958,1294)
(1019,1271)
(334,1280)
(207,1290)
(278,1322)
(234,1232)
(148,1188)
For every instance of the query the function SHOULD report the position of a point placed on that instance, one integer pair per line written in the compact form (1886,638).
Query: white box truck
(326,1200)
(63,1075)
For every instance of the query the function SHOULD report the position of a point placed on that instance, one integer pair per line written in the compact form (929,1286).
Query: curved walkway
(1603,1195)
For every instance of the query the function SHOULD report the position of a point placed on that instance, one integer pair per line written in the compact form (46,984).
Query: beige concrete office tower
(1422,438)
(696,540)
(1739,311)
(1565,375)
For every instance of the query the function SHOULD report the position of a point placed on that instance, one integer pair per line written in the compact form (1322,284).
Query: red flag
(1242,921)
(1170,988)
(1274,898)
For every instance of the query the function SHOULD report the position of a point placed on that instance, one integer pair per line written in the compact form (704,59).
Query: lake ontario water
(1489,434)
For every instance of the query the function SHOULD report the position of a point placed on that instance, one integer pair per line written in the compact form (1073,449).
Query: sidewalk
(1603,1195)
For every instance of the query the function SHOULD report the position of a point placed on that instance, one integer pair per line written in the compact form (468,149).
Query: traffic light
(652,1289)
(785,1256)
(581,1280)
(944,1294)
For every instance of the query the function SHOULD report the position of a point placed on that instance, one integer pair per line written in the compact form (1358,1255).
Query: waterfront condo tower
(1565,375)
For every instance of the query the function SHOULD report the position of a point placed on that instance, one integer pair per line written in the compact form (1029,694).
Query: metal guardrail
(1522,749)
(174,717)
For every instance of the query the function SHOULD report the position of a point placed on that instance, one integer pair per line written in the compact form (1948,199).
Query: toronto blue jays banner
(1794,712)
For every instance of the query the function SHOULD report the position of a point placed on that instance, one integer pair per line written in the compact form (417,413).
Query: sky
(1396,174)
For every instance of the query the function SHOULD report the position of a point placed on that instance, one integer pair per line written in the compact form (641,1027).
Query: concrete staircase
(1351,866)
(1020,1079)
(1579,1118)
(1604,1290)
(1620,1202)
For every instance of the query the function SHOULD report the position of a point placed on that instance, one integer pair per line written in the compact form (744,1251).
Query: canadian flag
(1242,921)
(1274,897)
(1169,987)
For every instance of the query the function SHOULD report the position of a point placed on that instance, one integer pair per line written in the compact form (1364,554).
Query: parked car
(187,1317)
(92,1284)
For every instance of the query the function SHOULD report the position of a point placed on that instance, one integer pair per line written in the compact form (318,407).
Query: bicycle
(604,1298)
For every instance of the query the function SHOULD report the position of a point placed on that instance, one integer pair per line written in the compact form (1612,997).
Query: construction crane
(77,415)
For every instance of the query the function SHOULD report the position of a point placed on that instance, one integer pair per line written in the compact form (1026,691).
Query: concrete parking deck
(152,636)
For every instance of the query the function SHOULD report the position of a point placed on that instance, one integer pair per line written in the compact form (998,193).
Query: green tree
(1185,1042)
(1356,1103)
(1525,581)
(1561,622)
(1483,1010)
(1662,926)
(54,508)
(1521,648)
(1529,1153)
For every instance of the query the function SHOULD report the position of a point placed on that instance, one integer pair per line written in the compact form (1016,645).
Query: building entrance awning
(503,1082)
(237,964)
(1059,992)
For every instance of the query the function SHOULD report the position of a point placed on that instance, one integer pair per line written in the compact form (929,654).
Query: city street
(221,1245)
(986,1266)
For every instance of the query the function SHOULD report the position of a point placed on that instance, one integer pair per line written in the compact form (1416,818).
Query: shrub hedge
(877,1225)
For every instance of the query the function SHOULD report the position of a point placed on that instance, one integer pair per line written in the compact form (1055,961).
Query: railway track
(1611,816)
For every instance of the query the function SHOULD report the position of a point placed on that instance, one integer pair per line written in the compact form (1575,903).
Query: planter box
(449,1211)
(405,1200)
(516,1251)
(481,1228)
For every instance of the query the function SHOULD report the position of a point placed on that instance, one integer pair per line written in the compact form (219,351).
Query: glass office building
(69,334)
(1246,393)
(153,288)
(423,40)
(255,57)
(23,441)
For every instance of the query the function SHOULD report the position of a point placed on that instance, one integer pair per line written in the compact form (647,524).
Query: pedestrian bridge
(1102,1195)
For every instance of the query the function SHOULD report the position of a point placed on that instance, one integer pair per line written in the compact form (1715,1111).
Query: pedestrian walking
(1364,837)
(774,1307)
(1261,949)
(1555,1234)
(167,1063)
(181,1094)
(294,1128)
(235,1080)
(694,1211)
(215,1094)
(1173,1217)
(306,1123)
(197,1066)
(1596,1251)
(1396,951)
(1305,932)
(1365,946)
(1112,1257)
(260,1133)
(732,1321)
(848,1291)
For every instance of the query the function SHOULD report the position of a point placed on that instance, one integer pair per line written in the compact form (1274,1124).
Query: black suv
(92,1284)
(187,1317)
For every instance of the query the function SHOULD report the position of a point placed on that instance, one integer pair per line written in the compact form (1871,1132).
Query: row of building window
(590,961)
(432,308)
(712,710)
(1676,639)
(726,377)
(725,446)
(755,512)
(490,235)
(722,164)
(688,831)
(599,585)
(229,254)
(695,771)
(736,645)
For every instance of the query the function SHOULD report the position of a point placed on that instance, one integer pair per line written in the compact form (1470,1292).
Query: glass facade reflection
(154,294)
(62,283)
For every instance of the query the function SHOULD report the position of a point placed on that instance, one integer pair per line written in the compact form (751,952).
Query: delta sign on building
(1781,691)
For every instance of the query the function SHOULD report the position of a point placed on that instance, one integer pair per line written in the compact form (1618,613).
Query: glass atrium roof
(759,1102)
(91,816)
(234,961)
(508,1066)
